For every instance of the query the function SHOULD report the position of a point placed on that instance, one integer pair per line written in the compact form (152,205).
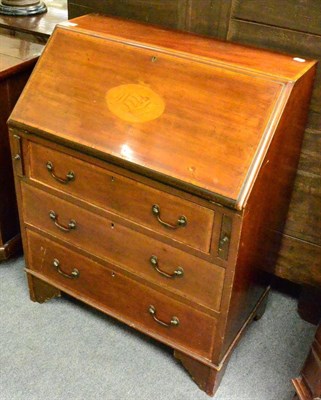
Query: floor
(66,350)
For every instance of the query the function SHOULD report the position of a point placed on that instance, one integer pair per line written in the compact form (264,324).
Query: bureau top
(188,110)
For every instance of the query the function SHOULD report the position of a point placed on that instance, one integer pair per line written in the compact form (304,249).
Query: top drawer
(169,215)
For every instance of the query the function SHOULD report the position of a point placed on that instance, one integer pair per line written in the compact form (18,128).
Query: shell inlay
(135,103)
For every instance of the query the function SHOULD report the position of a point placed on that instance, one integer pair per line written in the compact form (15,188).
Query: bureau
(154,170)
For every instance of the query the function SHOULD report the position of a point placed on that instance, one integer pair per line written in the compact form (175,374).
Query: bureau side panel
(264,26)
(265,213)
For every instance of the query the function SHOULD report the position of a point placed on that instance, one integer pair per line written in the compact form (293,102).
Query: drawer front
(189,222)
(121,296)
(199,280)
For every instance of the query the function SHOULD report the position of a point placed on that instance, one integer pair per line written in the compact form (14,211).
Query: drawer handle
(174,321)
(179,272)
(69,177)
(74,274)
(72,223)
(181,222)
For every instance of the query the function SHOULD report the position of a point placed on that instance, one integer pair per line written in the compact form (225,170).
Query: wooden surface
(41,25)
(17,58)
(80,239)
(17,55)
(266,209)
(200,276)
(304,15)
(250,58)
(308,384)
(92,283)
(295,29)
(225,169)
(201,16)
(114,192)
(287,27)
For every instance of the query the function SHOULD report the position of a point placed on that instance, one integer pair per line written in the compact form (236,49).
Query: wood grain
(300,251)
(169,13)
(255,110)
(249,58)
(266,211)
(301,16)
(208,17)
(17,55)
(299,261)
(12,247)
(290,27)
(93,281)
(299,44)
(17,58)
(208,379)
(41,25)
(211,90)
(304,216)
(41,291)
(125,197)
(202,282)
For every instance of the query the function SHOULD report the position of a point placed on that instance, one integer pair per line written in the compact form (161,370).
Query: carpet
(64,349)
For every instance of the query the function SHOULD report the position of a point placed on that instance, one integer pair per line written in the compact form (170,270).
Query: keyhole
(112,225)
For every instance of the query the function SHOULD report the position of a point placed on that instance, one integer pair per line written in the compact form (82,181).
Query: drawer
(120,296)
(124,196)
(199,281)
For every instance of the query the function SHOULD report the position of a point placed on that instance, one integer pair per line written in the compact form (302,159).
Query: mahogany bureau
(153,170)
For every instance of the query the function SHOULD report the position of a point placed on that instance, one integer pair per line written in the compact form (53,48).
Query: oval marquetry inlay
(135,103)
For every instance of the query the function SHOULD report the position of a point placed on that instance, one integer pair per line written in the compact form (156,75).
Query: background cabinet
(17,58)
